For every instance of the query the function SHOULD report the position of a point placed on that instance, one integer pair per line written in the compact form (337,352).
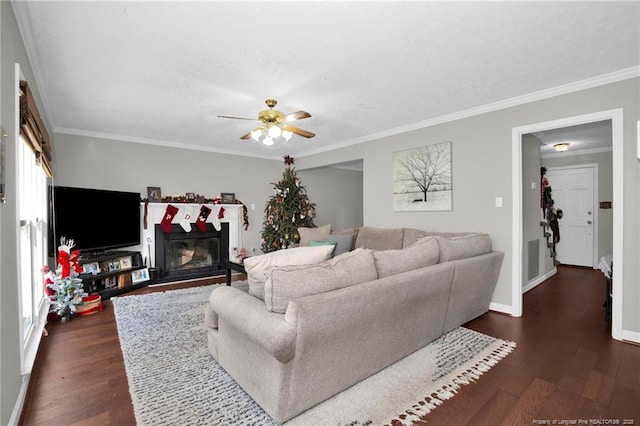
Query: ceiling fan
(275,124)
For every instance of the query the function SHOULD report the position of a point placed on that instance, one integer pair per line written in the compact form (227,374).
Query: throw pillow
(286,283)
(343,242)
(424,252)
(255,265)
(308,234)
(314,243)
(353,232)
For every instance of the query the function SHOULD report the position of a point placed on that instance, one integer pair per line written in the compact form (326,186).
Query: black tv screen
(96,219)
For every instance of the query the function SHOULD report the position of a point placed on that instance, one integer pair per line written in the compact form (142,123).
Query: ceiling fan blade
(237,118)
(298,115)
(298,131)
(248,135)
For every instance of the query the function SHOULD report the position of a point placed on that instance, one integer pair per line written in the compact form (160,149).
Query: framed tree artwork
(422,178)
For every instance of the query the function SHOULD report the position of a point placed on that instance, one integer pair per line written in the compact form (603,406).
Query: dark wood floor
(566,366)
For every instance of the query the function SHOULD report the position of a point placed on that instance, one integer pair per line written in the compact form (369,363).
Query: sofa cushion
(343,242)
(255,265)
(412,235)
(463,246)
(380,238)
(424,252)
(286,283)
(308,234)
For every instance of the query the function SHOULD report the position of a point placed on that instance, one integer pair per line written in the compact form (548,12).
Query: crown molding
(589,83)
(158,142)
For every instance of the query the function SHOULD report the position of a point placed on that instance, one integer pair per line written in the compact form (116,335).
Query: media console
(113,273)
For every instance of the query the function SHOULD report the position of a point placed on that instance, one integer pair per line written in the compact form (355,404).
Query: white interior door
(572,190)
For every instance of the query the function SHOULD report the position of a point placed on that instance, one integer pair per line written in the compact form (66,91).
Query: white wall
(337,194)
(111,164)
(482,153)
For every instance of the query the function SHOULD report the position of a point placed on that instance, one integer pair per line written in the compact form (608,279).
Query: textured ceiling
(584,137)
(160,72)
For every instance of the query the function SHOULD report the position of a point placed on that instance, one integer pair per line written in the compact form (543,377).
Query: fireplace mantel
(156,211)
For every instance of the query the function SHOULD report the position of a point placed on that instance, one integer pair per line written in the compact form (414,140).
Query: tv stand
(111,273)
(102,253)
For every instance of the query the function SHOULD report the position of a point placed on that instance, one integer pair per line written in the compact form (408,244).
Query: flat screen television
(97,220)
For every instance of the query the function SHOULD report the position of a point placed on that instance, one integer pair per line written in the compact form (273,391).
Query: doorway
(616,117)
(573,191)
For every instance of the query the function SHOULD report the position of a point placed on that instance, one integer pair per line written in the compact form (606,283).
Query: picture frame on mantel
(228,197)
(154,195)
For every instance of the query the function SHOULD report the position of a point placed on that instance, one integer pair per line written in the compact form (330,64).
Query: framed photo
(114,266)
(154,195)
(191,197)
(140,275)
(125,262)
(228,197)
(422,178)
(91,268)
(110,282)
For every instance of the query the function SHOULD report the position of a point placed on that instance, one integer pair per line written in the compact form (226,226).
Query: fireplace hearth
(181,255)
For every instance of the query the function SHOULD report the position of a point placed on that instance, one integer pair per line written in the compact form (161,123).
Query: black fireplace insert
(184,255)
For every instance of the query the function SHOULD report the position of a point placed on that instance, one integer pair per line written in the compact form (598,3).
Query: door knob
(589,222)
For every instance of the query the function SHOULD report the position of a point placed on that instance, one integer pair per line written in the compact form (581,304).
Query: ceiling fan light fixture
(275,131)
(255,135)
(275,125)
(561,147)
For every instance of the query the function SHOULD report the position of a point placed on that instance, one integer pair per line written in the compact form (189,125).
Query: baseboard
(499,307)
(536,282)
(631,336)
(19,405)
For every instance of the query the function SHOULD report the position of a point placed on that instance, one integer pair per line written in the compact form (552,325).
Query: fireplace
(181,255)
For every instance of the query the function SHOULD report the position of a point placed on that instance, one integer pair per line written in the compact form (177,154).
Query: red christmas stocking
(201,223)
(169,214)
(221,213)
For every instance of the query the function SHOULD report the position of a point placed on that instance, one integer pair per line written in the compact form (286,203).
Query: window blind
(33,129)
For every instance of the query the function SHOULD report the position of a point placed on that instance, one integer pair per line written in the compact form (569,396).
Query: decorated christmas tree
(287,210)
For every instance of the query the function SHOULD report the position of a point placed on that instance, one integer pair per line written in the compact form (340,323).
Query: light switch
(498,201)
(253,206)
(533,185)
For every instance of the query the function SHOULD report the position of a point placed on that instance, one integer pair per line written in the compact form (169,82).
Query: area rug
(174,381)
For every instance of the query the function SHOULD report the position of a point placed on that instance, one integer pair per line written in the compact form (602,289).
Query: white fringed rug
(174,381)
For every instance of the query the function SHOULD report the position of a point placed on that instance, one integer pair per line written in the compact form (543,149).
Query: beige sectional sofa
(306,331)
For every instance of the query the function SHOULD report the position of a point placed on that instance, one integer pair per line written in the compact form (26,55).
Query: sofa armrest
(249,315)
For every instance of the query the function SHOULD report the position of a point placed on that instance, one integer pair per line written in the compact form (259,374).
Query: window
(32,174)
(32,212)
